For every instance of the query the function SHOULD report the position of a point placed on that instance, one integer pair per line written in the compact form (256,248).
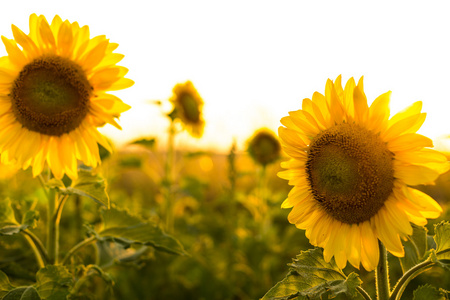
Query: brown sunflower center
(264,148)
(190,107)
(51,95)
(350,172)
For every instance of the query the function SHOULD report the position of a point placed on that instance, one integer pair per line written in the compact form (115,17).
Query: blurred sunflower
(264,147)
(188,108)
(351,166)
(53,96)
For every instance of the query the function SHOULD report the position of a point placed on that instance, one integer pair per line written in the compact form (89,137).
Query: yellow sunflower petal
(409,142)
(407,125)
(53,158)
(302,209)
(387,236)
(15,55)
(354,247)
(379,113)
(46,34)
(305,122)
(121,84)
(370,253)
(338,86)
(65,39)
(386,156)
(412,110)
(296,195)
(360,102)
(399,218)
(330,248)
(414,174)
(348,97)
(93,57)
(318,235)
(334,103)
(25,41)
(429,207)
(341,244)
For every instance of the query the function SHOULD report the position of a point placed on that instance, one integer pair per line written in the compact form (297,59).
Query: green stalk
(382,274)
(408,276)
(34,248)
(266,221)
(52,229)
(77,247)
(363,293)
(38,244)
(168,180)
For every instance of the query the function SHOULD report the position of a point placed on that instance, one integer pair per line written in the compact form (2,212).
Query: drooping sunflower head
(264,147)
(187,107)
(351,168)
(53,96)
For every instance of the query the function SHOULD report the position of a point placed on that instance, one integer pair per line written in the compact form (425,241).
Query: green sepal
(311,277)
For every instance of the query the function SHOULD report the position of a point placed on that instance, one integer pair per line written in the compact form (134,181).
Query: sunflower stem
(38,244)
(36,251)
(265,222)
(382,274)
(363,293)
(408,276)
(52,229)
(168,180)
(78,247)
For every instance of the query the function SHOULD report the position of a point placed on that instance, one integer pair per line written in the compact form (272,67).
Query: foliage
(230,238)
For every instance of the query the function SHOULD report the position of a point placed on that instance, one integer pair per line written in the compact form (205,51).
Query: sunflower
(188,108)
(53,96)
(351,168)
(264,147)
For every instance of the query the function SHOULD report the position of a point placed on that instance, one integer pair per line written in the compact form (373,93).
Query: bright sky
(254,61)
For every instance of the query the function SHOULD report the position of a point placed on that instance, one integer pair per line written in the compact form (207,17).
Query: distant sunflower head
(351,168)
(53,96)
(188,105)
(264,147)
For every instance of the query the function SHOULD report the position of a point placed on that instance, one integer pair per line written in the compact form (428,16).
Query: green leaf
(427,292)
(6,212)
(126,229)
(8,222)
(311,277)
(30,218)
(442,238)
(5,285)
(87,185)
(22,293)
(415,248)
(53,282)
(148,143)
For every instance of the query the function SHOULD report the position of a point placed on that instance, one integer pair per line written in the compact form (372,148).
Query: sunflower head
(53,95)
(264,147)
(187,107)
(351,168)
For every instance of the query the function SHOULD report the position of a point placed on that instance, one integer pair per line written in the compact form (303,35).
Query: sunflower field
(345,201)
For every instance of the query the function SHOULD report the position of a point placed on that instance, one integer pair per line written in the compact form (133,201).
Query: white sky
(254,61)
